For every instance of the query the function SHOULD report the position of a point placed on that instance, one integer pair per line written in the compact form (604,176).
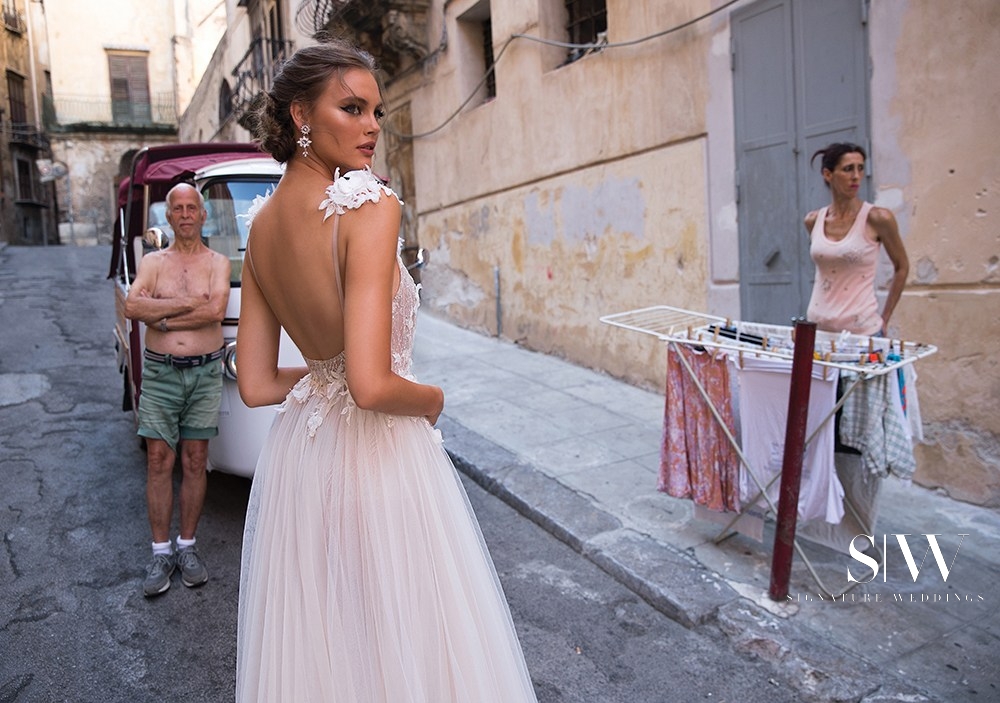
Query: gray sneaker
(158,575)
(193,571)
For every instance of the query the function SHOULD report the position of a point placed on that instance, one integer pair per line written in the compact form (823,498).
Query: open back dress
(365,577)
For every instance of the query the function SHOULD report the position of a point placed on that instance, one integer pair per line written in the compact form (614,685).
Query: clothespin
(863,358)
(826,357)
(741,358)
(833,346)
(763,342)
(689,331)
(715,337)
(871,345)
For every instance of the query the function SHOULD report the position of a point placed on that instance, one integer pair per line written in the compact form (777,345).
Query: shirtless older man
(181,295)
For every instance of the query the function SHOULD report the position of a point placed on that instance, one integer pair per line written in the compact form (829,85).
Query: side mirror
(154,239)
(414,258)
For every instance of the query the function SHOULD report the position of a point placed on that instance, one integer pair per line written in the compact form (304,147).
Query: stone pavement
(578,452)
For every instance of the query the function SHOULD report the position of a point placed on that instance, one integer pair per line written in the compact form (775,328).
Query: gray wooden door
(800,82)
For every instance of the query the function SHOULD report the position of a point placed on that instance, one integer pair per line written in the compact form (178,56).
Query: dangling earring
(304,140)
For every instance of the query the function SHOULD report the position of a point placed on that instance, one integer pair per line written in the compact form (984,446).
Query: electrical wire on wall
(586,48)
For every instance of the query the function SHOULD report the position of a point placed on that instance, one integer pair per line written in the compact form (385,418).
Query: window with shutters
(129,88)
(225,101)
(15,93)
(587,23)
(475,30)
(25,181)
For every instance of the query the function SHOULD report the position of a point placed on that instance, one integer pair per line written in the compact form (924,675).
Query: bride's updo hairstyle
(302,79)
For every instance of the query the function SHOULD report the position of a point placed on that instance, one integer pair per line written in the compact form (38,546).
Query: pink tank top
(843,296)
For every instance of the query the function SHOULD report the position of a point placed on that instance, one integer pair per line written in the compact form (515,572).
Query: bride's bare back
(293,284)
(291,257)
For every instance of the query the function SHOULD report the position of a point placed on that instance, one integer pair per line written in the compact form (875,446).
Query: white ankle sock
(162,548)
(184,543)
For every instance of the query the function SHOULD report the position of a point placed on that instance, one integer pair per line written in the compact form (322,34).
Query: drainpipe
(496,288)
(34,98)
(31,68)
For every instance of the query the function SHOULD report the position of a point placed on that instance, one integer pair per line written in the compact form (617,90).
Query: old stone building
(562,160)
(27,197)
(119,79)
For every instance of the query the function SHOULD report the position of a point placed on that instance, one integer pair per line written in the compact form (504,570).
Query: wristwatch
(163,325)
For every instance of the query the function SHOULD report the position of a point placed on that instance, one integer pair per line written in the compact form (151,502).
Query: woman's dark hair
(833,153)
(301,79)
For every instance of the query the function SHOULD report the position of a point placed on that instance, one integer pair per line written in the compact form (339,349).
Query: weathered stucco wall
(545,184)
(200,120)
(583,185)
(93,161)
(176,37)
(935,98)
(79,38)
(572,248)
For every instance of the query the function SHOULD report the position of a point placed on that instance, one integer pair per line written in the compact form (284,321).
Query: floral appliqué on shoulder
(352,190)
(255,205)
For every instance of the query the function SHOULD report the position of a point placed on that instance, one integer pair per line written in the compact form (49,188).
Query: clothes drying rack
(865,356)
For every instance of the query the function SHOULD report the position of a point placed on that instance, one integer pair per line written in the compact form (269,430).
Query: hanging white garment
(763,399)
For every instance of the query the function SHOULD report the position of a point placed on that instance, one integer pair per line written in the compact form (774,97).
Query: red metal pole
(791,464)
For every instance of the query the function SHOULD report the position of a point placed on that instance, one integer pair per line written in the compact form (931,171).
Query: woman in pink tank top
(846,236)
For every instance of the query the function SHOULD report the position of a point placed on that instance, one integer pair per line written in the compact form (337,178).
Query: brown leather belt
(184,362)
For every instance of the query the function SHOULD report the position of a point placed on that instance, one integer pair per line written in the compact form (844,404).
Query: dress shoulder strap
(818,226)
(249,260)
(861,223)
(349,192)
(336,262)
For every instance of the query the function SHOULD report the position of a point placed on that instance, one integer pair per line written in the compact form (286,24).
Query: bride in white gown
(365,577)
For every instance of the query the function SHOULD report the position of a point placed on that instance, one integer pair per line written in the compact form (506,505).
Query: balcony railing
(93,112)
(13,20)
(27,135)
(255,72)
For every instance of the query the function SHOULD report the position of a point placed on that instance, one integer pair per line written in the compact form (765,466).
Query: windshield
(158,218)
(224,232)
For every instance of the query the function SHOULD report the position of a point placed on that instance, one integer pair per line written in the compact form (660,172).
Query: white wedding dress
(365,578)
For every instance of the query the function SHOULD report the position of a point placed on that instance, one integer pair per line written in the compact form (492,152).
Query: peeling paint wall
(607,184)
(573,248)
(579,191)
(93,161)
(935,99)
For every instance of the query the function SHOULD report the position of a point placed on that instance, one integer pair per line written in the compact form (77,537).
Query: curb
(673,581)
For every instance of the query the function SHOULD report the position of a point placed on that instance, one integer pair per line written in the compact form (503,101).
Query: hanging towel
(871,421)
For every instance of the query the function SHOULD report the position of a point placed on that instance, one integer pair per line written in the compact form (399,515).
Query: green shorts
(180,403)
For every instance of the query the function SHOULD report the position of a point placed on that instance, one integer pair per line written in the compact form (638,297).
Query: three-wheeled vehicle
(229,176)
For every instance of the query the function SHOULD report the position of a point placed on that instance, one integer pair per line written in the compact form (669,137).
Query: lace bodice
(404,317)
(326,381)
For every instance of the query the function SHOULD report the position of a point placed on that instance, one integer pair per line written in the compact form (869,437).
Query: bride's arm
(371,237)
(258,377)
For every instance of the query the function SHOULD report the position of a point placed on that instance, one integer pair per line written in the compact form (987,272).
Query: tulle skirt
(365,578)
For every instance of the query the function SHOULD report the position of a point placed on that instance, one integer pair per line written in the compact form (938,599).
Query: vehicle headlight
(229,360)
